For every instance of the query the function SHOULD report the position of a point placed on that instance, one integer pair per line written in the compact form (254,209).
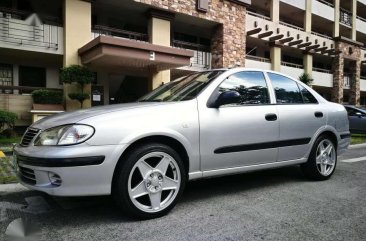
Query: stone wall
(228,41)
(353,54)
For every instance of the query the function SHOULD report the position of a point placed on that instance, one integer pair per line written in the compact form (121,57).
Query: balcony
(100,30)
(291,69)
(323,9)
(295,3)
(201,59)
(17,33)
(345,17)
(322,77)
(257,62)
(361,24)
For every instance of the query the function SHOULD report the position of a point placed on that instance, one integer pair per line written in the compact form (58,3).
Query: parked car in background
(206,124)
(357,119)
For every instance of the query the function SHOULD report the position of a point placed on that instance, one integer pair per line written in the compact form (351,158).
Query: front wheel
(322,160)
(150,181)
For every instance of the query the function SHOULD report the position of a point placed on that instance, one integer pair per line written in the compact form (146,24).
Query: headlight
(64,135)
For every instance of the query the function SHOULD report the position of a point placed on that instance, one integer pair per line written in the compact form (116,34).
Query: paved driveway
(268,205)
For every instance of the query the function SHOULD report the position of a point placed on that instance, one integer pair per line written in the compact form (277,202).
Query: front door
(243,133)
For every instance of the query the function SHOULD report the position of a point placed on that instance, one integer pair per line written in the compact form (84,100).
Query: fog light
(54,179)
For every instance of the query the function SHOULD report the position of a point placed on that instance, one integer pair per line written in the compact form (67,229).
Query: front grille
(28,136)
(27,175)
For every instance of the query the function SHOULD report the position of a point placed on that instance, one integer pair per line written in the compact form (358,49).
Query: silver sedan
(206,124)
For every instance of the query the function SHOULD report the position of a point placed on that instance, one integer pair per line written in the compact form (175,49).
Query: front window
(184,88)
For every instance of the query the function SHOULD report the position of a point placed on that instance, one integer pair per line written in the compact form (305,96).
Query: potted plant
(46,102)
(79,75)
(306,79)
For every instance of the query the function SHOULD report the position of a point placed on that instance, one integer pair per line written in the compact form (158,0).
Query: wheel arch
(163,139)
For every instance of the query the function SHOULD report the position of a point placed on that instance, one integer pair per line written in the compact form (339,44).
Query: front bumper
(83,170)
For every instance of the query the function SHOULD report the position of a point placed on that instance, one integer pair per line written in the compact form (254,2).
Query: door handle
(271,117)
(318,114)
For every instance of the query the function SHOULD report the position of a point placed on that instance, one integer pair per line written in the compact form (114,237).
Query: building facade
(134,46)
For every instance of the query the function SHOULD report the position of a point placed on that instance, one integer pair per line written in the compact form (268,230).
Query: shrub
(44,96)
(80,75)
(7,119)
(306,79)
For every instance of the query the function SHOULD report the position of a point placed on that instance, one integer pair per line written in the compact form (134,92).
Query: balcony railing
(119,33)
(347,81)
(345,17)
(202,54)
(326,3)
(257,58)
(15,31)
(327,71)
(298,66)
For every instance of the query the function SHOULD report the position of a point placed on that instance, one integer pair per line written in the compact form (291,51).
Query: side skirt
(235,170)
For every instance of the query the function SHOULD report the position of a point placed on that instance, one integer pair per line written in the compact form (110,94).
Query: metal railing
(258,15)
(346,80)
(345,17)
(291,26)
(322,70)
(202,54)
(98,30)
(257,58)
(326,3)
(298,66)
(14,30)
(321,35)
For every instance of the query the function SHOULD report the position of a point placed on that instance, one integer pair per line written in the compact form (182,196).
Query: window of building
(6,77)
(286,90)
(251,85)
(32,77)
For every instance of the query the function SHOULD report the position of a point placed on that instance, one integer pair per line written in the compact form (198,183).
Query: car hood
(76,116)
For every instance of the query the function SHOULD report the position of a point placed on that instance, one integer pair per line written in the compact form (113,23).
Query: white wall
(322,79)
(249,63)
(363,84)
(361,25)
(323,10)
(296,3)
(291,71)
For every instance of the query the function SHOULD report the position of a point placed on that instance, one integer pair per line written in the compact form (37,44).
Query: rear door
(300,117)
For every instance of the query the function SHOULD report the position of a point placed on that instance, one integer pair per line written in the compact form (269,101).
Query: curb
(13,187)
(357,146)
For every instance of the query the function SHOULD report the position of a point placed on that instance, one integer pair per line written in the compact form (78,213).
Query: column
(308,57)
(338,81)
(355,69)
(160,34)
(275,54)
(77,32)
(354,17)
(275,10)
(308,63)
(336,18)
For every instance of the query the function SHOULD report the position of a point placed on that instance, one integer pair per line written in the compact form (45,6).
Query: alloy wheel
(325,157)
(154,182)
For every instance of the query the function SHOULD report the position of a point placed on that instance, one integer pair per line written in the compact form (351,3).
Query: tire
(149,182)
(322,159)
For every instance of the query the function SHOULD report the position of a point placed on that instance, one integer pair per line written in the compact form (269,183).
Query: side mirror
(227,97)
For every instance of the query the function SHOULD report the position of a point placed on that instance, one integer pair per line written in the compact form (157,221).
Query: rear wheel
(322,160)
(150,181)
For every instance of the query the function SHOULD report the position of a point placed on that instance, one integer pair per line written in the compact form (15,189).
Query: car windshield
(184,88)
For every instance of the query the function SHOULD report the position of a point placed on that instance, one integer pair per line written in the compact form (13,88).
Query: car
(357,119)
(211,123)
